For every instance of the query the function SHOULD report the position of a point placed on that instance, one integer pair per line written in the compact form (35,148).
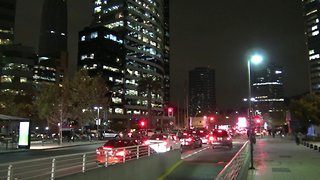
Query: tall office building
(7,19)
(267,90)
(17,72)
(311,12)
(143,27)
(52,49)
(202,92)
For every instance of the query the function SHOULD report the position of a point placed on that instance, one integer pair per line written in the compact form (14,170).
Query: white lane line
(196,152)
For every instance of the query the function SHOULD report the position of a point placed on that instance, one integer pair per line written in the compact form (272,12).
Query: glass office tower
(143,26)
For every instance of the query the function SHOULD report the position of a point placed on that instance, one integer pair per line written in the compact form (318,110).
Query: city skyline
(226,32)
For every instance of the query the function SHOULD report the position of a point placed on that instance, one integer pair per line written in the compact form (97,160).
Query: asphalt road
(206,164)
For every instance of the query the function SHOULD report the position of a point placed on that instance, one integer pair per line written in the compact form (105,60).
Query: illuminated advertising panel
(24,141)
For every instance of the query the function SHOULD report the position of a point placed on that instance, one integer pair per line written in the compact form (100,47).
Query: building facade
(143,28)
(17,71)
(267,90)
(202,92)
(53,58)
(311,12)
(7,19)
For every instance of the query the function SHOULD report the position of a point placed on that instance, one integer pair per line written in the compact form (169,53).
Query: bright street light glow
(256,59)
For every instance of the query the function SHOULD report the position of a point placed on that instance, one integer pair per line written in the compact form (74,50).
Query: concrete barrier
(150,167)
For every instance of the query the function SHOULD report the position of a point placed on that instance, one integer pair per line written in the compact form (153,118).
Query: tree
(85,93)
(74,100)
(306,110)
(149,85)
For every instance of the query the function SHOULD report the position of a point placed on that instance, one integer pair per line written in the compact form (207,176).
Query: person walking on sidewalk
(298,138)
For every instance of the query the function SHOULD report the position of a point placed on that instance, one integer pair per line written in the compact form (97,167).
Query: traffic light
(211,118)
(142,124)
(257,119)
(170,111)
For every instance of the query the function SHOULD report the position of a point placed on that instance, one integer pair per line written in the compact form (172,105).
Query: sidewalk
(280,158)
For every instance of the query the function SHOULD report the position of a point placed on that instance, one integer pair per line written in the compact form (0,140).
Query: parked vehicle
(220,138)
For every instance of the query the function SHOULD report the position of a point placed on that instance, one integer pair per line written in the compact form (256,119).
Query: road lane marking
(196,152)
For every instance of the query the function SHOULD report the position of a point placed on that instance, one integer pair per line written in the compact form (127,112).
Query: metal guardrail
(238,165)
(58,166)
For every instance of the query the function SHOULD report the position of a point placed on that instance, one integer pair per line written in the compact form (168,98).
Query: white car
(110,134)
(163,142)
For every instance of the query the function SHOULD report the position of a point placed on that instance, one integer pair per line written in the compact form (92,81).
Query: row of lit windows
(114,24)
(6,31)
(315,56)
(44,68)
(86,56)
(62,34)
(13,66)
(5,41)
(44,78)
(94,35)
(12,91)
(267,83)
(10,79)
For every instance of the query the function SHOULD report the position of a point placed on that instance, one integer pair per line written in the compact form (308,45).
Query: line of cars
(118,149)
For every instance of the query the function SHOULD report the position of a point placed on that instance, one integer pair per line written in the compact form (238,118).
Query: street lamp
(255,59)
(98,120)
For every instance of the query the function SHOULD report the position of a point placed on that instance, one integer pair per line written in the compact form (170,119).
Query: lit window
(83,38)
(311,52)
(23,79)
(314,27)
(94,35)
(118,110)
(110,78)
(315,33)
(116,100)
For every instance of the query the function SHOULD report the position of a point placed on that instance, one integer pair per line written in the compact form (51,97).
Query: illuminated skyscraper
(311,14)
(143,27)
(7,19)
(267,89)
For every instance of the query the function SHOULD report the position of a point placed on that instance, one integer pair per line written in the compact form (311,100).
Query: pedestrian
(297,139)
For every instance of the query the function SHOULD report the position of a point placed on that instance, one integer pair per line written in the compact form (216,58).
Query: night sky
(211,33)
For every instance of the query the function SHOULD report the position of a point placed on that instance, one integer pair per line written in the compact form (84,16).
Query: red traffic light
(142,123)
(170,110)
(257,119)
(211,118)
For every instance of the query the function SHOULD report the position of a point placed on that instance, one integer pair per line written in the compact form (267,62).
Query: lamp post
(98,120)
(256,59)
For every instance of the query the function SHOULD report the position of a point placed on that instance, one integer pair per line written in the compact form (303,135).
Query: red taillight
(130,134)
(211,138)
(201,131)
(219,131)
(185,134)
(228,138)
(146,142)
(189,139)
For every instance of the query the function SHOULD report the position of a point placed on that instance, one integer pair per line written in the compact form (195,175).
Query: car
(163,142)
(110,134)
(220,138)
(115,150)
(190,140)
(202,133)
